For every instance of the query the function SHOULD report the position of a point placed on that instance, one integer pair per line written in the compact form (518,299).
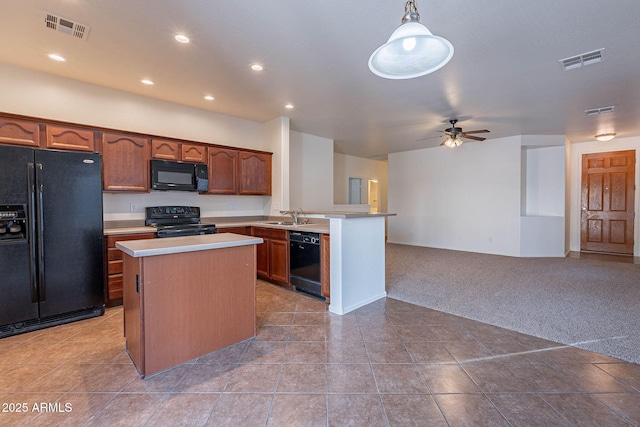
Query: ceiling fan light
(452,142)
(411,51)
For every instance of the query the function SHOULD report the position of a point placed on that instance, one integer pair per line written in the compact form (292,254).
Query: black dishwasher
(304,270)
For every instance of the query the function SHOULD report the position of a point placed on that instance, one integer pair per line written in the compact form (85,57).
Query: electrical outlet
(133,207)
(276,206)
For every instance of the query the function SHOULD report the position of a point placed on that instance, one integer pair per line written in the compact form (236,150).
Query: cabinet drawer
(271,233)
(114,267)
(113,254)
(111,240)
(115,286)
(237,230)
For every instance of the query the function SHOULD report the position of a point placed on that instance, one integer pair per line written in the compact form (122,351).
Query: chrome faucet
(293,214)
(305,220)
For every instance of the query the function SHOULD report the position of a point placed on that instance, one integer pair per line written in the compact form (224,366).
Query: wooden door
(194,153)
(125,163)
(19,132)
(325,265)
(607,209)
(279,261)
(254,173)
(69,138)
(165,150)
(223,165)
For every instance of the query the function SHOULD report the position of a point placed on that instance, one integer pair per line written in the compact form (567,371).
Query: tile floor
(387,364)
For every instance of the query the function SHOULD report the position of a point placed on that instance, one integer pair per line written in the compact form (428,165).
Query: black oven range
(174,221)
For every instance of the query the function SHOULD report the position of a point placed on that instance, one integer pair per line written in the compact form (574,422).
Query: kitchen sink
(290,223)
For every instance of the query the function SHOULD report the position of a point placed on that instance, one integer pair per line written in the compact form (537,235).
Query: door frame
(573,218)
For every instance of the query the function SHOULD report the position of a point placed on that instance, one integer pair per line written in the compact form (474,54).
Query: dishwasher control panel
(297,236)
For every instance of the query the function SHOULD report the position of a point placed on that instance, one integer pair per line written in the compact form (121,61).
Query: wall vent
(67,26)
(601,110)
(582,60)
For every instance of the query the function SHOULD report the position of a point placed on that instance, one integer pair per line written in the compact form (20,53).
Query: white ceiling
(505,74)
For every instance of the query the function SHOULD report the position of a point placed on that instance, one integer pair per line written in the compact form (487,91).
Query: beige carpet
(594,305)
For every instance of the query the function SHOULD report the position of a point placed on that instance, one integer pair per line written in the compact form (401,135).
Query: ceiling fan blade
(475,138)
(477,131)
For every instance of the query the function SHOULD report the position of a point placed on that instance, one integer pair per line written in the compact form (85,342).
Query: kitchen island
(187,296)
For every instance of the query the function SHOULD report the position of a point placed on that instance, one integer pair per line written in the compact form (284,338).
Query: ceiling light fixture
(181,38)
(452,141)
(411,51)
(257,67)
(289,106)
(605,136)
(209,98)
(147,82)
(56,57)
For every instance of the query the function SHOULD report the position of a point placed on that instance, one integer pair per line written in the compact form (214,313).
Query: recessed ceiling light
(257,67)
(56,57)
(289,106)
(181,38)
(605,136)
(209,97)
(146,82)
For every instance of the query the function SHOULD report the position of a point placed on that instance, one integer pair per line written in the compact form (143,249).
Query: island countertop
(151,247)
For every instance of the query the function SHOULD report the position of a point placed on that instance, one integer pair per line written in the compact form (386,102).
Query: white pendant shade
(411,51)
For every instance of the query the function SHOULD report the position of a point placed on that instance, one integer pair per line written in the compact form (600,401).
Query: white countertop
(151,247)
(311,228)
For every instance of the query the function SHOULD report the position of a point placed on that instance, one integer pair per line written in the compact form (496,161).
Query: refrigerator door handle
(41,284)
(32,231)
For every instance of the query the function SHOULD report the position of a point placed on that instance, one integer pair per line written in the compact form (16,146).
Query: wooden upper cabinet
(174,150)
(194,153)
(165,150)
(254,171)
(70,138)
(223,167)
(19,132)
(125,162)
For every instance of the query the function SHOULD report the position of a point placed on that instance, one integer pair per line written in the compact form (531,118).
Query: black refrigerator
(51,250)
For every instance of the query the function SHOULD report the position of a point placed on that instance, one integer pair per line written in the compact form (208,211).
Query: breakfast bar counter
(187,296)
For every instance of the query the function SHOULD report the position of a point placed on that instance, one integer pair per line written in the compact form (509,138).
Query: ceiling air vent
(601,110)
(67,26)
(582,60)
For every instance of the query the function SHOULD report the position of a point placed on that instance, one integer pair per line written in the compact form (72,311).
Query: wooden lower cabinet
(113,266)
(325,266)
(273,255)
(180,306)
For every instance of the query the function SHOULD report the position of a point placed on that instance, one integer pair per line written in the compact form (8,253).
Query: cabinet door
(279,261)
(165,150)
(69,138)
(254,173)
(194,153)
(325,266)
(262,259)
(19,132)
(125,163)
(223,165)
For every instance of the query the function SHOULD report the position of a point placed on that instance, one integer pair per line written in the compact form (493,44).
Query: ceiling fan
(454,135)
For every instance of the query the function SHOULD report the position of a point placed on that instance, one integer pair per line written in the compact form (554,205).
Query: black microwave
(178,176)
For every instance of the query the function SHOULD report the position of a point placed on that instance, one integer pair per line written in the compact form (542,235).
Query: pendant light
(411,51)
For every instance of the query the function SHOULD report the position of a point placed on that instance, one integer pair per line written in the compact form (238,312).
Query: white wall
(41,95)
(577,150)
(467,198)
(345,166)
(310,172)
